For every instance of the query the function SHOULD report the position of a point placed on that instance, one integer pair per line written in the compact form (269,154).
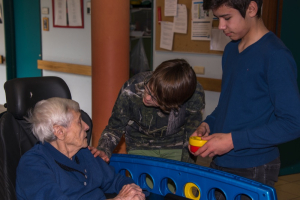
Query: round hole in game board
(168,186)
(146,181)
(242,196)
(216,193)
(149,181)
(192,191)
(195,191)
(126,173)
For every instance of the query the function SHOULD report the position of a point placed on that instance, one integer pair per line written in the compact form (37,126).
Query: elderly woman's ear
(59,132)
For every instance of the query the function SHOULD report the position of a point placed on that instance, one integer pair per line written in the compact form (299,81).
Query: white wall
(2,66)
(69,45)
(74,46)
(212,64)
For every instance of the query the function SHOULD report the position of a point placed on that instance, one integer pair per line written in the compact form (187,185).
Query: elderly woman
(60,166)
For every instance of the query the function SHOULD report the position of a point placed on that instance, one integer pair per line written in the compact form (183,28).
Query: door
(22,37)
(290,152)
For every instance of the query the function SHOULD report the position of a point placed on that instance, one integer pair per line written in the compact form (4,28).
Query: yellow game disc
(197,141)
(190,191)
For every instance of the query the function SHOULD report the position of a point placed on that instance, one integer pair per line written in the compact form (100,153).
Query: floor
(287,187)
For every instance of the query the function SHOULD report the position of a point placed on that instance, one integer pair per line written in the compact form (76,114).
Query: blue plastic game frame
(207,180)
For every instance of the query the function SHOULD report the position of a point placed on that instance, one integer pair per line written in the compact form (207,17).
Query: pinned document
(170,7)
(201,21)
(167,35)
(180,21)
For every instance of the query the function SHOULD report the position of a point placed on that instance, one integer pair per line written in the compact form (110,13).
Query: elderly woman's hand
(99,153)
(130,192)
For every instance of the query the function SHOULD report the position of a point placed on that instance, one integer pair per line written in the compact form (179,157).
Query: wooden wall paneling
(65,67)
(209,84)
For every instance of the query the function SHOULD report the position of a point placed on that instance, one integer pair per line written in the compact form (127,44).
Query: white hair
(46,113)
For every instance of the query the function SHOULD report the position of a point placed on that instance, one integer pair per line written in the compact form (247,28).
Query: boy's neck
(257,31)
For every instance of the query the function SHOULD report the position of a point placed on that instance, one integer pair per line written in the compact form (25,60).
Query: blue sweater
(45,173)
(259,102)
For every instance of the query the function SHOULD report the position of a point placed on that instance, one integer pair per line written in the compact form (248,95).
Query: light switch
(88,7)
(199,70)
(45,11)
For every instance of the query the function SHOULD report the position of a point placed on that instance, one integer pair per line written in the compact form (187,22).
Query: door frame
(10,44)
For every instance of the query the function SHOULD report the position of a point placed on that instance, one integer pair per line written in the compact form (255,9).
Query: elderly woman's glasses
(148,90)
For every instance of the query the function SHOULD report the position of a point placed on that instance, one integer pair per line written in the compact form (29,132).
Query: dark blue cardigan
(45,173)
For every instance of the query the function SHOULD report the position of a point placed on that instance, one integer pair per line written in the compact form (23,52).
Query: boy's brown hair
(172,83)
(240,5)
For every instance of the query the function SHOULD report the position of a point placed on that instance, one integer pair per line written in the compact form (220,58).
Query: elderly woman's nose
(86,127)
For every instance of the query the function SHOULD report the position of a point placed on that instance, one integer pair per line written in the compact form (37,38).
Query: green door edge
(10,45)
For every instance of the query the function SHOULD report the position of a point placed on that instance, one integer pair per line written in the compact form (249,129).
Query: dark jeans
(266,174)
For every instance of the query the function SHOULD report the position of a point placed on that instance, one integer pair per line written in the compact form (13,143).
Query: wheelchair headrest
(23,93)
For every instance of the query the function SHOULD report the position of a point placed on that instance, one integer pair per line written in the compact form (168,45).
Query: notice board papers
(201,21)
(171,7)
(180,21)
(166,36)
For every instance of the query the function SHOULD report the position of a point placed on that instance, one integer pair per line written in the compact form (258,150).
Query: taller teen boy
(259,105)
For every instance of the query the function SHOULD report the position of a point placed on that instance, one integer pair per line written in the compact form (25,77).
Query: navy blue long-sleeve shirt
(259,102)
(45,173)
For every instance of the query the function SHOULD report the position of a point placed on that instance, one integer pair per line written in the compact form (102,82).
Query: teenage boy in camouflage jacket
(157,111)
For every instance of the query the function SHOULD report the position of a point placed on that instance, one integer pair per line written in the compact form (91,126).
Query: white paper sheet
(180,21)
(218,40)
(74,12)
(170,7)
(60,12)
(201,21)
(166,35)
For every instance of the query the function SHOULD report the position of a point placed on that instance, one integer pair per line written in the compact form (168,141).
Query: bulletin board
(182,42)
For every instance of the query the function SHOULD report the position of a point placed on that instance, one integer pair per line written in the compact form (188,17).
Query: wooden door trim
(272,14)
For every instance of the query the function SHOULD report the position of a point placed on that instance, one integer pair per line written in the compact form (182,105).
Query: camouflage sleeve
(193,119)
(113,132)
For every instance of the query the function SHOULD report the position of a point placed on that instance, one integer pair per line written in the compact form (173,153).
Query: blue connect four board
(187,177)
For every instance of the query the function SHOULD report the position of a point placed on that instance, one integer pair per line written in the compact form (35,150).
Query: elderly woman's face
(75,136)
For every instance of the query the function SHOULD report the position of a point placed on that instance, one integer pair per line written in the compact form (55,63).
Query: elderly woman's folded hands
(130,192)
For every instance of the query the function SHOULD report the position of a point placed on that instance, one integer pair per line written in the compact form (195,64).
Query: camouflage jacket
(148,128)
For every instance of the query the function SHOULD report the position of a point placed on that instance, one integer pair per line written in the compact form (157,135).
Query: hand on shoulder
(99,153)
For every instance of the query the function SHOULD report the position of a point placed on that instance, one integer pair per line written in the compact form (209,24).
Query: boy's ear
(252,9)
(59,132)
